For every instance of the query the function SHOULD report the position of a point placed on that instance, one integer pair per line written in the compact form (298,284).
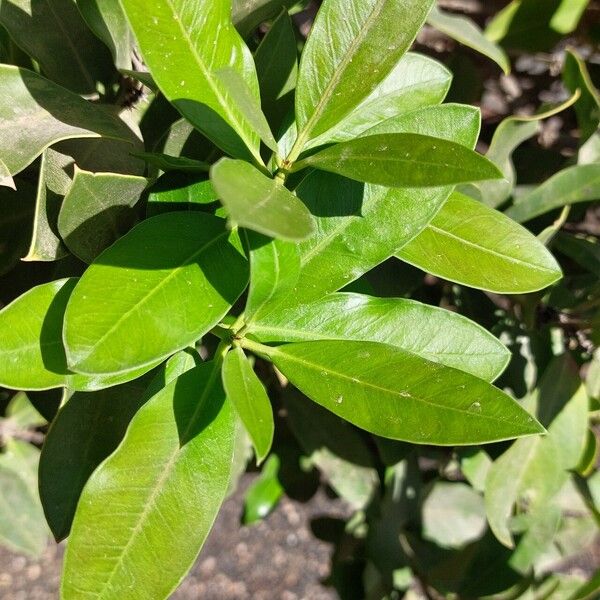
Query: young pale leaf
(172,36)
(508,259)
(55,35)
(399,395)
(155,291)
(258,202)
(247,394)
(107,20)
(97,210)
(348,53)
(276,61)
(359,226)
(31,347)
(274,271)
(442,336)
(6,179)
(135,511)
(85,431)
(415,82)
(35,113)
(580,183)
(403,160)
(466,32)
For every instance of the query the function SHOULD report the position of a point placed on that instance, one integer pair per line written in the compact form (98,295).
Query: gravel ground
(277,559)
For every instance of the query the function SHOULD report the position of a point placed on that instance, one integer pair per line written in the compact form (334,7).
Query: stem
(257,348)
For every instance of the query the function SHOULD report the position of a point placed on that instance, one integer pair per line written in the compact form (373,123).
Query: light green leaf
(441,336)
(347,54)
(276,61)
(453,515)
(33,357)
(258,202)
(36,113)
(250,399)
(107,20)
(568,14)
(403,160)
(85,431)
(475,464)
(22,414)
(359,226)
(580,183)
(55,35)
(335,448)
(22,525)
(6,179)
(149,304)
(264,493)
(247,103)
(97,210)
(396,394)
(135,511)
(274,270)
(466,32)
(415,82)
(172,37)
(247,15)
(506,259)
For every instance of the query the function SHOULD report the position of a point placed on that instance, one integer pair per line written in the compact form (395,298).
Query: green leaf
(153,502)
(35,113)
(165,162)
(32,347)
(54,34)
(453,515)
(347,54)
(359,226)
(172,36)
(264,493)
(97,210)
(22,414)
(179,191)
(247,15)
(107,20)
(567,16)
(276,61)
(248,395)
(6,179)
(396,394)
(258,202)
(155,291)
(22,525)
(580,183)
(403,160)
(508,259)
(466,32)
(415,82)
(274,270)
(335,448)
(442,336)
(85,431)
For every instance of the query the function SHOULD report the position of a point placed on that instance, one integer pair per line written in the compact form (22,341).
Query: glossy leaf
(508,259)
(580,183)
(107,20)
(396,394)
(415,82)
(54,34)
(165,162)
(172,37)
(131,292)
(402,160)
(276,61)
(466,32)
(32,348)
(249,14)
(85,431)
(264,493)
(250,399)
(179,191)
(97,210)
(258,202)
(453,515)
(347,54)
(432,333)
(35,113)
(136,509)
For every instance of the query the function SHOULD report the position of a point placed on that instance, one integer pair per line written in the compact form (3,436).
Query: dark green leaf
(155,291)
(146,511)
(403,160)
(258,202)
(179,191)
(165,162)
